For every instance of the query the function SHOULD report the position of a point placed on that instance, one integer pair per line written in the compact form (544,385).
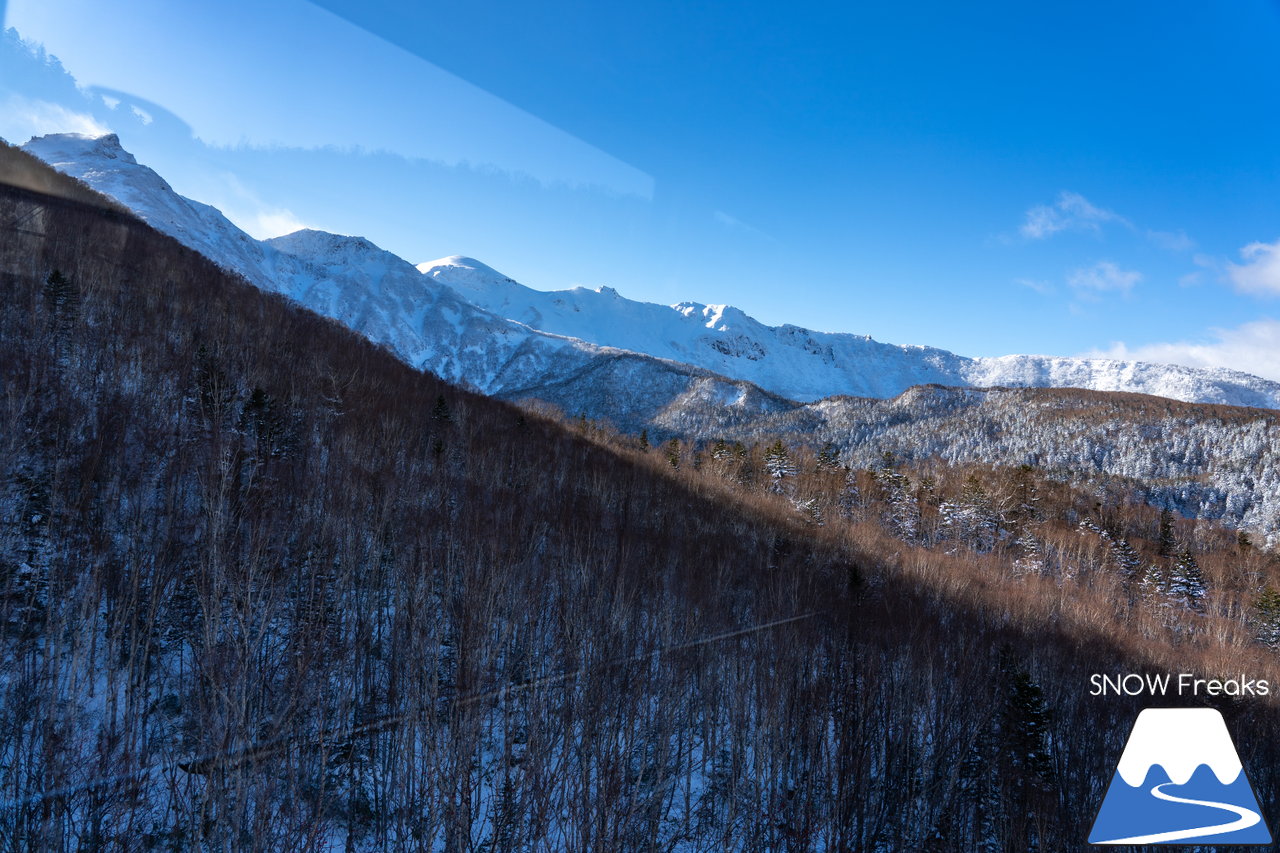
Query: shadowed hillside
(265,587)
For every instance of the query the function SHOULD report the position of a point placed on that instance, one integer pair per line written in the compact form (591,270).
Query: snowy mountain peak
(461,300)
(1179,740)
(316,238)
(470,277)
(462,266)
(313,244)
(72,147)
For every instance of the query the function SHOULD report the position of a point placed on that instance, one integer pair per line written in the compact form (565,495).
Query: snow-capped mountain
(804,365)
(476,326)
(346,278)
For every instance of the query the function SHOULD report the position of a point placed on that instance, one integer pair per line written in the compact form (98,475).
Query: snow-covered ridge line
(478,327)
(805,365)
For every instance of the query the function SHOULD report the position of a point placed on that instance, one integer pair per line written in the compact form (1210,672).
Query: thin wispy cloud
(275,223)
(1260,272)
(1042,287)
(1102,277)
(255,216)
(22,117)
(1253,348)
(1171,241)
(733,223)
(1070,212)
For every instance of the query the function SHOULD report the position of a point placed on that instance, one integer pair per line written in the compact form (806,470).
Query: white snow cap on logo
(1179,740)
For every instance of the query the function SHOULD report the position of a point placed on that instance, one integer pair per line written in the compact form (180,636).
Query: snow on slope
(804,365)
(786,360)
(346,278)
(475,326)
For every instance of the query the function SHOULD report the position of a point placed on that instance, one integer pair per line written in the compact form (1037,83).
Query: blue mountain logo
(1179,781)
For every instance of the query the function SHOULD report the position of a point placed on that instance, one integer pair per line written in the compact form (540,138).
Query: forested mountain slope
(1214,462)
(264,586)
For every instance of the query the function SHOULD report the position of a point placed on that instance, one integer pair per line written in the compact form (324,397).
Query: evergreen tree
(214,390)
(1024,506)
(1266,616)
(927,491)
(1154,581)
(440,413)
(62,297)
(1187,584)
(1126,560)
(738,465)
(673,452)
(777,461)
(850,498)
(1164,540)
(1026,758)
(978,794)
(262,419)
(1024,728)
(971,519)
(903,515)
(644,439)
(829,457)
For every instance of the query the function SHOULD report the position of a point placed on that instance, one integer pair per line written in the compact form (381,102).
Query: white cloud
(1103,277)
(1070,212)
(1260,272)
(267,223)
(1253,348)
(241,204)
(22,118)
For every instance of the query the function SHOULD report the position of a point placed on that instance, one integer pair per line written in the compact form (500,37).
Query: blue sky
(1086,178)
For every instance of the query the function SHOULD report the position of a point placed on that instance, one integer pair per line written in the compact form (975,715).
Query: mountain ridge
(476,326)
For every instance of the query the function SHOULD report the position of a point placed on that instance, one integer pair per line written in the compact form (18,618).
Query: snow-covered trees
(902,509)
(778,463)
(971,519)
(1198,461)
(1187,583)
